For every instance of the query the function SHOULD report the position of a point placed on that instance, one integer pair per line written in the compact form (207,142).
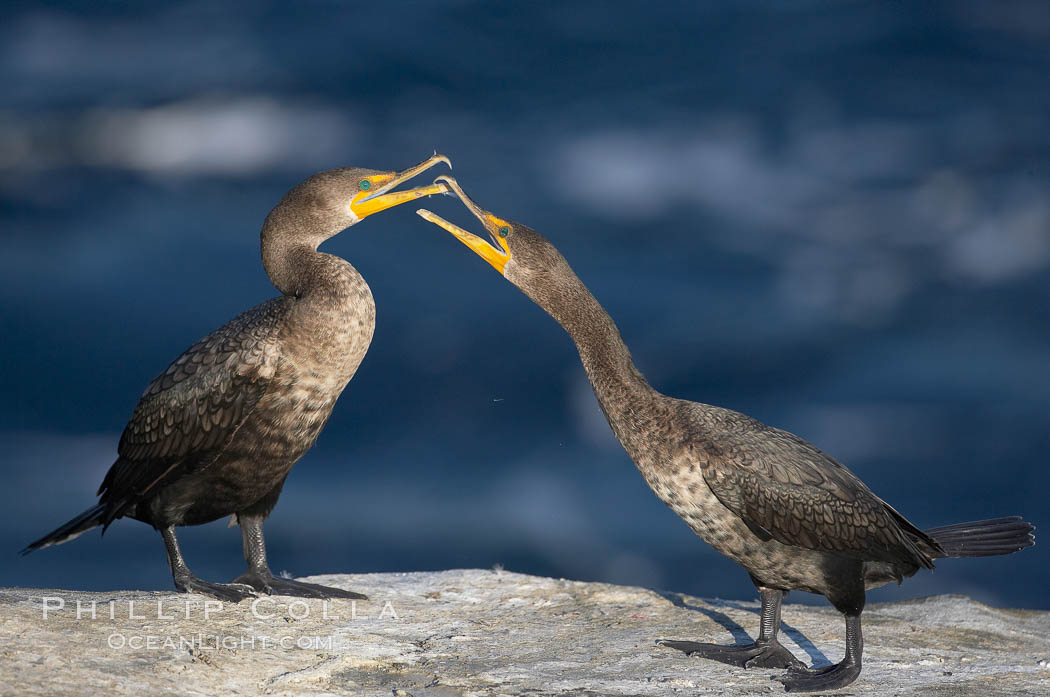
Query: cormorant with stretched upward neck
(218,431)
(791,515)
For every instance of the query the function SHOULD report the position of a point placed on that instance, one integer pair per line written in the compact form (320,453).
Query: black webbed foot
(271,585)
(761,654)
(820,679)
(230,592)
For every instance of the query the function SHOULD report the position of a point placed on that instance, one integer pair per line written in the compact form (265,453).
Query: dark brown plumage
(218,431)
(790,514)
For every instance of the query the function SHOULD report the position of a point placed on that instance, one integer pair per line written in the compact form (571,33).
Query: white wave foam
(857,216)
(225,135)
(214,135)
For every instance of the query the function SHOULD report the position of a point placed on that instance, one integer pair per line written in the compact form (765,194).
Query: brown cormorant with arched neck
(218,431)
(791,515)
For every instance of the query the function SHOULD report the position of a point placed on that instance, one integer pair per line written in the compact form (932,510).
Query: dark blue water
(833,216)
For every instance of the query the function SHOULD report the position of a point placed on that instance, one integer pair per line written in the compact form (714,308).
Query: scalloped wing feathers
(189,413)
(786,489)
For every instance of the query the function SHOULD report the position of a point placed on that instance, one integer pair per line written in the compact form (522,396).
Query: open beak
(376,198)
(494,250)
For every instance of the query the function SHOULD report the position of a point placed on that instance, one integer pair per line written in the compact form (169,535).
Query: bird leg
(835,676)
(261,579)
(765,652)
(187,582)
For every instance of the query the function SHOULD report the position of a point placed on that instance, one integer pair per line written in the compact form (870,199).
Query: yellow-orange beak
(496,252)
(378,195)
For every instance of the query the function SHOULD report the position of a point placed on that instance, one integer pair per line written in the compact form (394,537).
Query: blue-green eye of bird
(365,185)
(504,231)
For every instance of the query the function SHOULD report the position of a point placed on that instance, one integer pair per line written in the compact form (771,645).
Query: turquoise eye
(365,185)
(504,231)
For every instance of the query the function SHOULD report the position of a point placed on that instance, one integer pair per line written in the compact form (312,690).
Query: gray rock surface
(489,633)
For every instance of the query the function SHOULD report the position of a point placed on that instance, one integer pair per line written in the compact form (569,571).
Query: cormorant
(790,514)
(218,431)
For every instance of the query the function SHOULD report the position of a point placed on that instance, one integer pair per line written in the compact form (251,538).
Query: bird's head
(328,202)
(523,256)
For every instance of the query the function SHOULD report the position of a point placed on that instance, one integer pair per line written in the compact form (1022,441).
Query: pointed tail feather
(984,538)
(91,518)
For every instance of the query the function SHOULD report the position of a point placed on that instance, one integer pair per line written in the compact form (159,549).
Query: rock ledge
(489,633)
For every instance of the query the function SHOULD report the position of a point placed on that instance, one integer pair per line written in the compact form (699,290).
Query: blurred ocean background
(832,216)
